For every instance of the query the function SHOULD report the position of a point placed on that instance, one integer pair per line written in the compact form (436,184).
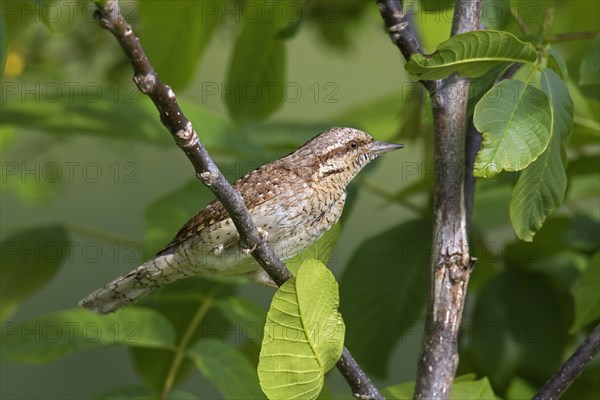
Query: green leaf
(107,112)
(519,389)
(153,366)
(587,295)
(541,187)
(175,34)
(519,326)
(551,252)
(589,70)
(166,215)
(464,388)
(383,291)
(561,104)
(481,85)
(30,259)
(189,306)
(141,393)
(245,316)
(128,118)
(401,391)
(516,121)
(227,369)
(529,74)
(337,21)
(557,63)
(470,54)
(304,335)
(472,389)
(290,25)
(256,77)
(582,233)
(49,338)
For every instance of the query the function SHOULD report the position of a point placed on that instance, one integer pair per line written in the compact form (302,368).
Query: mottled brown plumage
(256,189)
(293,202)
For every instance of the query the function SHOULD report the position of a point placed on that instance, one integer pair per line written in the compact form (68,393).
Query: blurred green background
(82,150)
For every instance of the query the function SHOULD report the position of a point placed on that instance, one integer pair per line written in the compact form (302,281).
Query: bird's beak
(377,147)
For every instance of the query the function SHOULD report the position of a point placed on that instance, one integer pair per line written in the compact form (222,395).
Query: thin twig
(402,32)
(173,118)
(184,343)
(571,369)
(390,197)
(564,37)
(400,27)
(522,26)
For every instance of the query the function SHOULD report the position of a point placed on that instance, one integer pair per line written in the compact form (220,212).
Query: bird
(293,201)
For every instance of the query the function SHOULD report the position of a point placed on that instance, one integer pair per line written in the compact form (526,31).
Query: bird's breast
(298,219)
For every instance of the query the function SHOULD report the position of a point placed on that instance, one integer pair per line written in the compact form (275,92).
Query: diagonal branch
(402,32)
(400,27)
(565,37)
(173,118)
(562,379)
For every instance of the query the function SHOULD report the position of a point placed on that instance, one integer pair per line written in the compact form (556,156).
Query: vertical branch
(451,263)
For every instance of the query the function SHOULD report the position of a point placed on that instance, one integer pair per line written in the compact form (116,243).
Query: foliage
(465,387)
(470,54)
(535,227)
(303,335)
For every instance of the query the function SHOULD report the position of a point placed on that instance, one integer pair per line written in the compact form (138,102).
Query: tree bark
(451,263)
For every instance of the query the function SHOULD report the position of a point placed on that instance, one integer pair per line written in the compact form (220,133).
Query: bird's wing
(256,188)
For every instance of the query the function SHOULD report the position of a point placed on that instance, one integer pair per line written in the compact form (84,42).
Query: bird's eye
(353,144)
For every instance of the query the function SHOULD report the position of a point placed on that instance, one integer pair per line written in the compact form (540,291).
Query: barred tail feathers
(130,287)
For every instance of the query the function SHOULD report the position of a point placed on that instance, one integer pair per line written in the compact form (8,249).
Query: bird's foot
(263,234)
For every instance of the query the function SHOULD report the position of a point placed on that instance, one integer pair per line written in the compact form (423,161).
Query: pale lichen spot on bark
(145,82)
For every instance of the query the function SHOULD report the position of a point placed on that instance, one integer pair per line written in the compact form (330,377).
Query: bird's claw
(263,234)
(217,250)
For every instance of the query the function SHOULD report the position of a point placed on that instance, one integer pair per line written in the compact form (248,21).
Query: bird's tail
(130,287)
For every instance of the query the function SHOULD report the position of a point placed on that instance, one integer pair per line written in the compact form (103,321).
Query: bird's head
(339,154)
